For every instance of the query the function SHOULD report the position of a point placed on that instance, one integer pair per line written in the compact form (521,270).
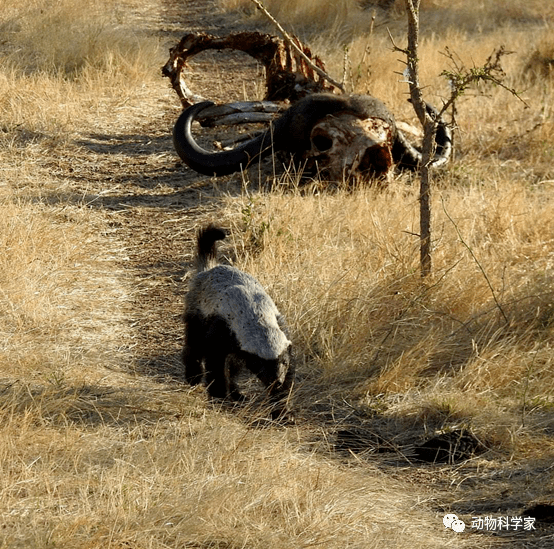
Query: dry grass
(52,266)
(93,455)
(68,39)
(478,334)
(338,23)
(202,482)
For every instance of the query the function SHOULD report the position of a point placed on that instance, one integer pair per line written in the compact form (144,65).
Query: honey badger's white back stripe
(240,300)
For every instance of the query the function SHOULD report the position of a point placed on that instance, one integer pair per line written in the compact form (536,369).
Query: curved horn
(290,131)
(408,157)
(215,163)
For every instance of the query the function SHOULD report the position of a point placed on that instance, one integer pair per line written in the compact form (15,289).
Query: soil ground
(155,203)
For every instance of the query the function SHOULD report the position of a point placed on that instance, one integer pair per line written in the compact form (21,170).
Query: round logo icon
(458,526)
(451,520)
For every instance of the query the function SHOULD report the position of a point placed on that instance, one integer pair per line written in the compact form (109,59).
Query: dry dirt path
(154,203)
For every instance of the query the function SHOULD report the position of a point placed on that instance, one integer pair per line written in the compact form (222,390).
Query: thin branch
(395,47)
(346,63)
(461,78)
(412,8)
(291,41)
(483,272)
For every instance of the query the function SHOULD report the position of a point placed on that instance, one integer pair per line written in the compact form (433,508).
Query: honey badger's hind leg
(218,345)
(233,366)
(193,351)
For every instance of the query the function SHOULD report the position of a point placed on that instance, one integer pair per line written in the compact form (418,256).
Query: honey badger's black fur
(231,323)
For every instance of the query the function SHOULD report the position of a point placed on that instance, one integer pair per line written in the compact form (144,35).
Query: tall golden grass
(66,39)
(345,269)
(64,299)
(58,72)
(478,334)
(344,20)
(93,455)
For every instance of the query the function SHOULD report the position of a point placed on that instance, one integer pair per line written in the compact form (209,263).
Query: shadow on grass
(92,405)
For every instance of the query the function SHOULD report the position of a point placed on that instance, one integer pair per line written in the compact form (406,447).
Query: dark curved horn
(215,163)
(408,157)
(290,132)
(443,141)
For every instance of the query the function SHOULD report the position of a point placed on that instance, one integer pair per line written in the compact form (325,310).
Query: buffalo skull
(338,136)
(343,145)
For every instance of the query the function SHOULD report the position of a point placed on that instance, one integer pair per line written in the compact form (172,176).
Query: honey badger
(231,323)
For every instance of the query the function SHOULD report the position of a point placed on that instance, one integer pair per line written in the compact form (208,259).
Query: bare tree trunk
(429,130)
(425,205)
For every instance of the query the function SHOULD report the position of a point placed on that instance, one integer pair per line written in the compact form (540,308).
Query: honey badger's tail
(206,257)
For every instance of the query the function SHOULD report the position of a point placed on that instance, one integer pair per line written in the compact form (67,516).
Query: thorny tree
(429,131)
(460,80)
